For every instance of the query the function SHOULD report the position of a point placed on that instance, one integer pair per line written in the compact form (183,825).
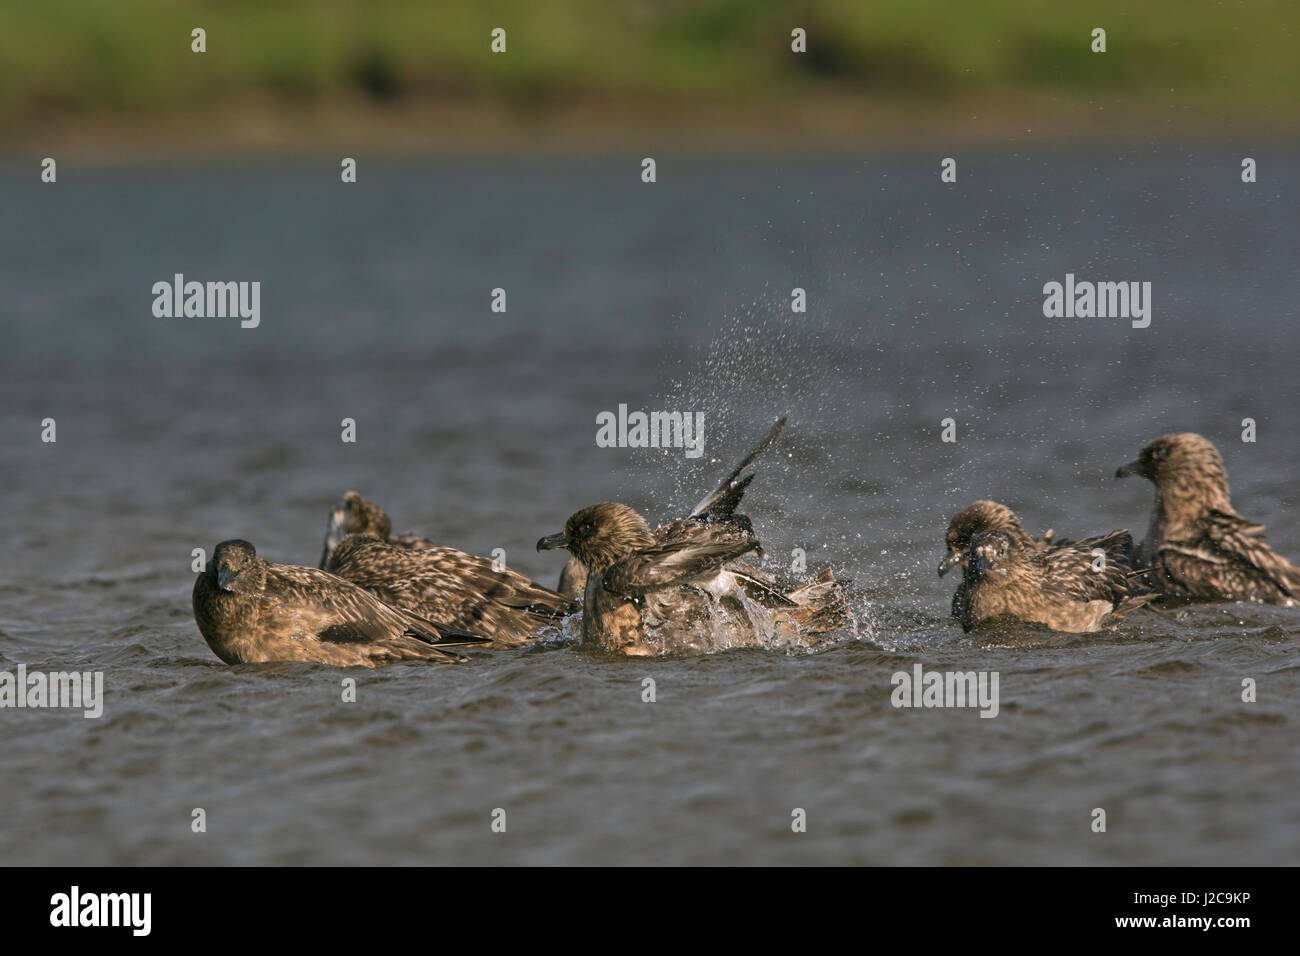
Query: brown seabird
(1197,547)
(984,515)
(670,590)
(250,610)
(1008,581)
(450,587)
(355,515)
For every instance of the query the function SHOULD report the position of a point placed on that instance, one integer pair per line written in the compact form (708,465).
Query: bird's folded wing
(700,553)
(1234,554)
(1074,569)
(337,611)
(443,577)
(471,579)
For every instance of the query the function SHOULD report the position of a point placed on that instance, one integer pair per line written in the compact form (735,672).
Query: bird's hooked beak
(224,577)
(1129,470)
(553,541)
(948,563)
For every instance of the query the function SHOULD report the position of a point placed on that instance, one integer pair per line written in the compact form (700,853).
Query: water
(478,429)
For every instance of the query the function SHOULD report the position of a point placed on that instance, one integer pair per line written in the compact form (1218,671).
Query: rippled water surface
(477,428)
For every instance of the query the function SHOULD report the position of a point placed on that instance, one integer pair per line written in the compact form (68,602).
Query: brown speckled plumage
(451,587)
(355,515)
(1007,581)
(251,610)
(1197,547)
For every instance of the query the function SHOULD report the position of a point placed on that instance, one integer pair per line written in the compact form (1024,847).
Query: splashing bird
(718,505)
(252,610)
(1197,547)
(671,589)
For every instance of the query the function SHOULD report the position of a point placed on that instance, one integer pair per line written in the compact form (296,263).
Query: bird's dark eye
(585,530)
(1158,453)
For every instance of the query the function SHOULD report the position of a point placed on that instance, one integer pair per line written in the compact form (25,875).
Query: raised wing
(721,503)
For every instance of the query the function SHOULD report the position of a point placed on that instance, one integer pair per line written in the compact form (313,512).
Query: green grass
(1233,56)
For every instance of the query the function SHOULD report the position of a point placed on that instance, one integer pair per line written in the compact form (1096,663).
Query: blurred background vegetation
(1201,61)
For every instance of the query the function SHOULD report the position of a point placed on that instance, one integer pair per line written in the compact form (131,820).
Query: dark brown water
(478,429)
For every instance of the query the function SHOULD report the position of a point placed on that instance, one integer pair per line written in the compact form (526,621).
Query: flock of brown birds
(691,585)
(685,586)
(1197,548)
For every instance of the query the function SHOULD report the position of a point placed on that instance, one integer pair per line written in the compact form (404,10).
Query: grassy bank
(62,61)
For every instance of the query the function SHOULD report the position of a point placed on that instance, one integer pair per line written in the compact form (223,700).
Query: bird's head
(236,567)
(970,521)
(1182,465)
(354,515)
(989,553)
(601,535)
